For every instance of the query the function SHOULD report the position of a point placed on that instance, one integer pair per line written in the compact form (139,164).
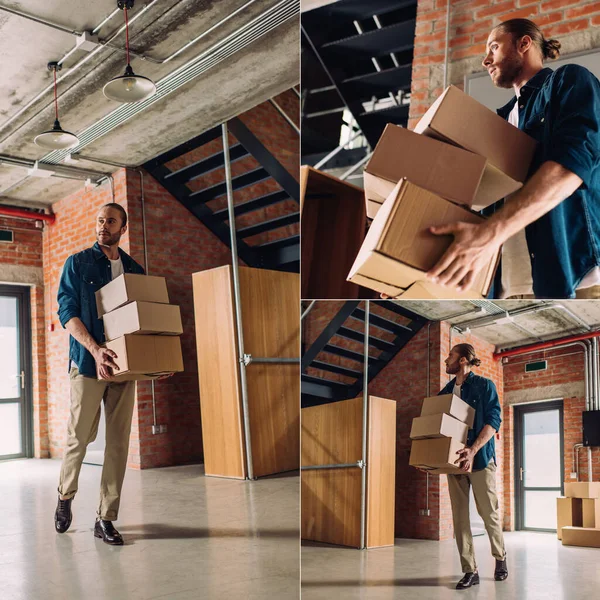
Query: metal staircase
(196,179)
(362,60)
(402,323)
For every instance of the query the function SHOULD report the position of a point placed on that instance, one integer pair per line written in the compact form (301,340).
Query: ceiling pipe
(39,20)
(546,345)
(5,211)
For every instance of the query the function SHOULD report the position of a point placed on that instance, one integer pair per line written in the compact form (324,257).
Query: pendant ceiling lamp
(56,138)
(128,87)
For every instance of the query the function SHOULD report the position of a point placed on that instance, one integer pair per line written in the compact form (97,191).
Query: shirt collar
(535,83)
(98,254)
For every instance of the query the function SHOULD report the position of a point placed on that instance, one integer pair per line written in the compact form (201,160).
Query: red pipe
(545,345)
(26,214)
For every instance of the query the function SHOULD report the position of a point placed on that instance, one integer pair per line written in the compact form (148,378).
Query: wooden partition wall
(331,498)
(334,221)
(271,328)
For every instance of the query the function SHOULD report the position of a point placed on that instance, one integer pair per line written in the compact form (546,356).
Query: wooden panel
(271,319)
(333,228)
(220,407)
(381,472)
(330,499)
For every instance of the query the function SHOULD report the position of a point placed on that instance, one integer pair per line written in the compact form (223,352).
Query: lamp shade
(56,138)
(129,87)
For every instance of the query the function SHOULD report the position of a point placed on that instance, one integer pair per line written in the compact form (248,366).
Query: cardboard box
(458,119)
(446,170)
(581,536)
(129,288)
(439,425)
(568,514)
(436,453)
(590,509)
(582,489)
(143,318)
(427,290)
(399,247)
(450,404)
(146,356)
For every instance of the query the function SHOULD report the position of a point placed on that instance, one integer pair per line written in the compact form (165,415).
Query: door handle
(22,376)
(521,471)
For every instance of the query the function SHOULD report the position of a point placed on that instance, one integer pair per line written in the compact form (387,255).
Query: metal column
(363,495)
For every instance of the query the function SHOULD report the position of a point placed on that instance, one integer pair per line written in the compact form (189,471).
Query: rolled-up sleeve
(575,121)
(69,293)
(491,408)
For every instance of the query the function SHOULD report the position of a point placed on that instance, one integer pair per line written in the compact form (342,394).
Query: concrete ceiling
(546,320)
(263,69)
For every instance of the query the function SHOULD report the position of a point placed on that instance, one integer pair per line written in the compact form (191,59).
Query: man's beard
(508,71)
(109,240)
(453,368)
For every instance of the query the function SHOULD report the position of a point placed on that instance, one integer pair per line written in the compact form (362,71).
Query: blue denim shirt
(561,110)
(480,393)
(83,274)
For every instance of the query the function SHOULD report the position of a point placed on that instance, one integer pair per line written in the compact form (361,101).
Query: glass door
(539,464)
(15,360)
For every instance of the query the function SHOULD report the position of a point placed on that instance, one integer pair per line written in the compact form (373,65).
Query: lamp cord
(126,34)
(55,96)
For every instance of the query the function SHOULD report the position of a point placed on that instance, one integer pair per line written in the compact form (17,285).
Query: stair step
(269,225)
(381,322)
(195,142)
(207,165)
(379,83)
(356,356)
(358,336)
(336,369)
(323,388)
(359,10)
(254,204)
(379,42)
(280,252)
(241,181)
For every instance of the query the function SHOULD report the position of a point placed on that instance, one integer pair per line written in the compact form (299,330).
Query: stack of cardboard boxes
(141,327)
(439,433)
(461,157)
(578,514)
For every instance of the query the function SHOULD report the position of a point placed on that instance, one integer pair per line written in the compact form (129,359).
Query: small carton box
(590,508)
(439,425)
(145,356)
(457,118)
(436,453)
(399,248)
(128,288)
(582,489)
(446,170)
(143,318)
(450,404)
(568,513)
(581,536)
(427,290)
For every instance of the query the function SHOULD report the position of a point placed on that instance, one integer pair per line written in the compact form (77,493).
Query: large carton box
(399,248)
(444,169)
(128,288)
(435,454)
(581,536)
(143,318)
(439,425)
(582,489)
(450,404)
(568,514)
(590,509)
(145,356)
(458,119)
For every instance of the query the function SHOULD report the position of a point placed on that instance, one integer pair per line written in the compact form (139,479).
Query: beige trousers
(590,293)
(87,395)
(486,500)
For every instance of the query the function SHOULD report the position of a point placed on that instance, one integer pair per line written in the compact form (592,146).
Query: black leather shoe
(63,515)
(468,580)
(501,572)
(106,531)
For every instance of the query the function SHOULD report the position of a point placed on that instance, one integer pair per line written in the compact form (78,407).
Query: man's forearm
(547,188)
(79,331)
(486,434)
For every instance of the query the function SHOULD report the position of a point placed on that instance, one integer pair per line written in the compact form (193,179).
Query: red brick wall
(26,249)
(470,24)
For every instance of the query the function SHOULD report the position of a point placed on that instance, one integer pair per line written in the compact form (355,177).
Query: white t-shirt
(116,267)
(516,263)
(456,390)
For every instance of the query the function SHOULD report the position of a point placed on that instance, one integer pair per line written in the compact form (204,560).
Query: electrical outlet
(163,428)
(573,475)
(424,512)
(159,429)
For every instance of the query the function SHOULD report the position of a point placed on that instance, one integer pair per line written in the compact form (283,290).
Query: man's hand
(471,251)
(104,361)
(465,460)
